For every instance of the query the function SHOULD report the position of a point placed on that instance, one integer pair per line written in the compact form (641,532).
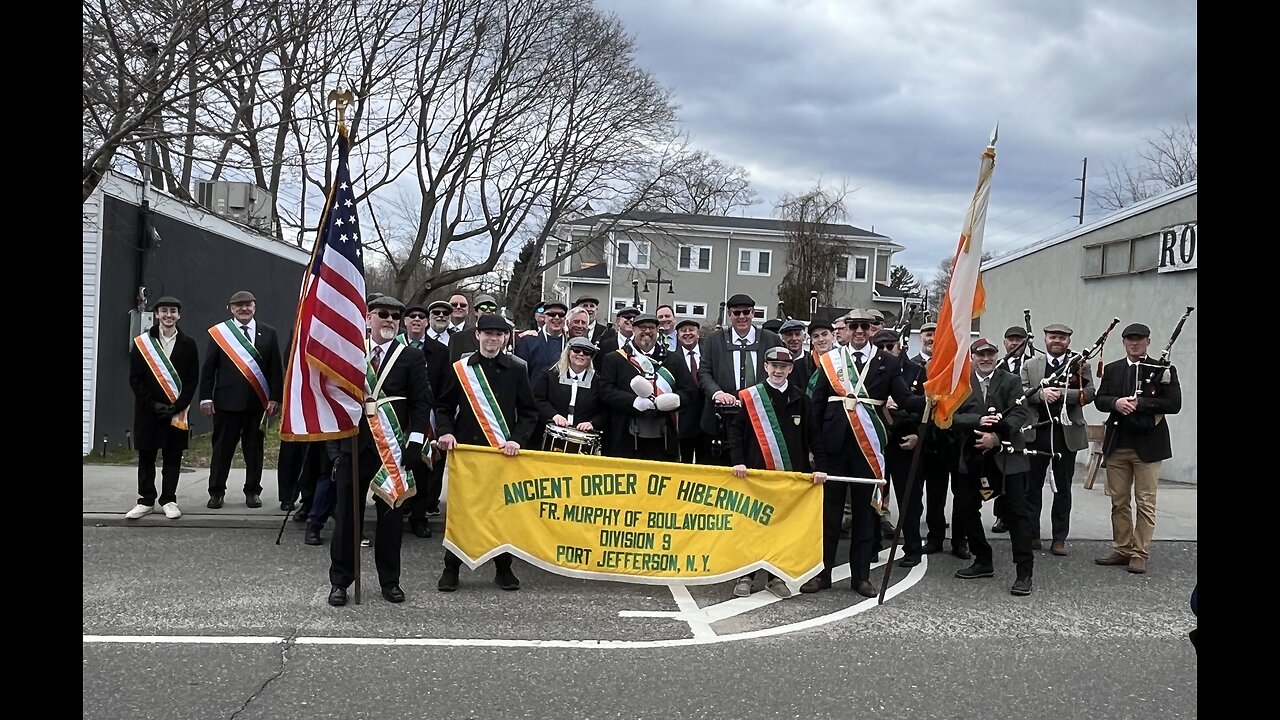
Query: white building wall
(1048,281)
(91,237)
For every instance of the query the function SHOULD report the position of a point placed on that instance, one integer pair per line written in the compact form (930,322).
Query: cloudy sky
(897,99)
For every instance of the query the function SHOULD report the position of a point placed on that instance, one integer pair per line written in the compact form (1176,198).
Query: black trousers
(695,449)
(168,475)
(428,495)
(937,482)
(865,524)
(898,462)
(1013,508)
(1064,470)
(388,533)
(229,430)
(298,467)
(453,562)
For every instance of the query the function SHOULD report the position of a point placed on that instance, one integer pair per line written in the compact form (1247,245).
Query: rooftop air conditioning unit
(242,202)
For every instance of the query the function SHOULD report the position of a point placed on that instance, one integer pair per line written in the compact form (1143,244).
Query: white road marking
(689,612)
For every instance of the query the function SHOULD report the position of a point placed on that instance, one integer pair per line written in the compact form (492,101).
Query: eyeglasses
(555,315)
(384,314)
(858,326)
(441,313)
(485,308)
(581,351)
(740,313)
(458,305)
(416,316)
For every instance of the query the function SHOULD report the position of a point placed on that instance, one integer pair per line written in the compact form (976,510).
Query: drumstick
(573,400)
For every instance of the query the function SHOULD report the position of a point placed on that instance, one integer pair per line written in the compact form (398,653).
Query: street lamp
(657,300)
(635,294)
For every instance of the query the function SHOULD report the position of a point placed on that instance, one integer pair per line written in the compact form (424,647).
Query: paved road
(207,617)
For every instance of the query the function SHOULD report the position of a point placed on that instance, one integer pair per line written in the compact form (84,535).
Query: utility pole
(1084,172)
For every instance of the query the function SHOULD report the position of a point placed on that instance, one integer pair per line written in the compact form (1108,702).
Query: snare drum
(570,440)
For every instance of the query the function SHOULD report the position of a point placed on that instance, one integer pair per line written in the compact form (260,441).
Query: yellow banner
(631,520)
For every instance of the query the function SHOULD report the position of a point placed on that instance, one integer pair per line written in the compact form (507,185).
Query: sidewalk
(111,490)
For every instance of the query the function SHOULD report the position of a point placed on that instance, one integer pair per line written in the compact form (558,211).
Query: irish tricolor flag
(948,383)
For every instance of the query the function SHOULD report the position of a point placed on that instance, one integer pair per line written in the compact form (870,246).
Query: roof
(885,291)
(717,221)
(1124,213)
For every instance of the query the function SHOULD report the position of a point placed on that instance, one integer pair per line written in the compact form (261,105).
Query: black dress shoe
(302,515)
(253,501)
(421,528)
(999,526)
(313,537)
(816,583)
(909,561)
(507,580)
(286,506)
(448,580)
(886,528)
(931,547)
(215,502)
(1021,586)
(864,588)
(961,551)
(976,571)
(337,596)
(393,593)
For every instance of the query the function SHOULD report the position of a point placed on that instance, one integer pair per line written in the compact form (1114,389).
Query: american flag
(325,378)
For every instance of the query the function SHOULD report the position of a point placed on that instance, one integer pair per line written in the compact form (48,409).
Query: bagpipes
(1060,376)
(1158,370)
(1026,348)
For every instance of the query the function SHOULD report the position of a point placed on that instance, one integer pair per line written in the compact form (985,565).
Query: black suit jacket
(510,383)
(150,430)
(832,436)
(1003,391)
(404,376)
(1145,429)
(615,391)
(221,381)
(718,372)
(792,409)
(552,397)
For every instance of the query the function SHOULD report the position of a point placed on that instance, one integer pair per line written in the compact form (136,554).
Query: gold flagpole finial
(342,97)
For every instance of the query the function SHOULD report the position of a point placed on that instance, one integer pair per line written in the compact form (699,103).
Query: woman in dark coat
(553,388)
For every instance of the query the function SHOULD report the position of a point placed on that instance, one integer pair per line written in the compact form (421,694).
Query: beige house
(706,259)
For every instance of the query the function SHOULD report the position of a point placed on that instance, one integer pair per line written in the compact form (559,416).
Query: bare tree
(696,183)
(813,249)
(936,289)
(1167,161)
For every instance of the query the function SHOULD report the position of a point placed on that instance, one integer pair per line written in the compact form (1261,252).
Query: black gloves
(164,410)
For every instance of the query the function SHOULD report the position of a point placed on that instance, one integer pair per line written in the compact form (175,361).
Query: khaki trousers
(1129,478)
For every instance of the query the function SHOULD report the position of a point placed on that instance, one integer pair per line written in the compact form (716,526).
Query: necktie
(745,368)
(377,358)
(984,383)
(245,329)
(693,364)
(857,354)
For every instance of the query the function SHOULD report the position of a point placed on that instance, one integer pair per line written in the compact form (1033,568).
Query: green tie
(747,369)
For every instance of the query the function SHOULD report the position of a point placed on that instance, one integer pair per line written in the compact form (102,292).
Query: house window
(634,253)
(853,268)
(758,313)
(1122,257)
(619,303)
(690,309)
(754,262)
(695,258)
(566,264)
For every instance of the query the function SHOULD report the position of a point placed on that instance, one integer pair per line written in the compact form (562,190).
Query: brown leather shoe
(1058,547)
(1114,558)
(1137,565)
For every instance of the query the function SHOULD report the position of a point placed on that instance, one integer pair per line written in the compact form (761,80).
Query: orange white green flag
(948,382)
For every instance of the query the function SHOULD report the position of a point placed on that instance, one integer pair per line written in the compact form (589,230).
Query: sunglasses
(555,315)
(385,314)
(740,313)
(441,313)
(859,326)
(458,305)
(416,316)
(581,351)
(485,308)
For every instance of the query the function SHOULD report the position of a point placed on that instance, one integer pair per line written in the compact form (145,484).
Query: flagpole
(921,433)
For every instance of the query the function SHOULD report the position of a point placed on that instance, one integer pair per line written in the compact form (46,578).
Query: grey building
(1138,264)
(193,254)
(707,258)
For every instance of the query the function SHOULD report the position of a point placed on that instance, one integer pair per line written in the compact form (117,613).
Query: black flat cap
(1137,329)
(242,296)
(1015,331)
(627,312)
(688,321)
(791,325)
(167,301)
(492,322)
(555,304)
(739,300)
(885,337)
(586,298)
(815,324)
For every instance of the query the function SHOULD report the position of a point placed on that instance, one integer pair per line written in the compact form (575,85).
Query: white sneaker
(171,511)
(743,588)
(778,587)
(139,510)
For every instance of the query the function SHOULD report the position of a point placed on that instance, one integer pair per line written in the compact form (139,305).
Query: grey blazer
(1075,434)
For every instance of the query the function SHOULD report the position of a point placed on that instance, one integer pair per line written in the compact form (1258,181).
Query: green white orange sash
(663,380)
(393,482)
(164,373)
(764,421)
(239,347)
(484,404)
(868,428)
